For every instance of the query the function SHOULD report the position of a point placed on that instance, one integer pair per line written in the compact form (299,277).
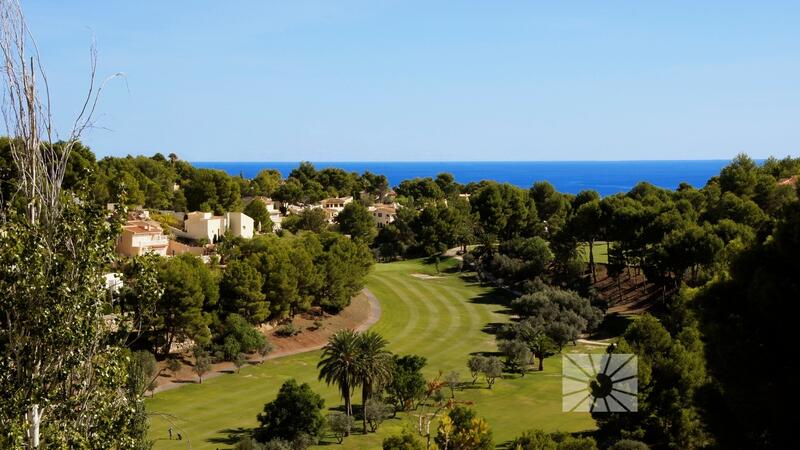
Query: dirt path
(363,312)
(454,252)
(588,342)
(374,311)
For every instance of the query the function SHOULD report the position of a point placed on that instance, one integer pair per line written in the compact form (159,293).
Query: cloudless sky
(430,80)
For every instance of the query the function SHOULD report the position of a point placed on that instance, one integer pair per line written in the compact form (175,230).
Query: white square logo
(599,382)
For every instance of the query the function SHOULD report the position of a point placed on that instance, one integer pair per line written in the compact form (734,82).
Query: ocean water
(606,177)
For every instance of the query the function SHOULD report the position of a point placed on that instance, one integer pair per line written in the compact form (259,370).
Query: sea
(605,177)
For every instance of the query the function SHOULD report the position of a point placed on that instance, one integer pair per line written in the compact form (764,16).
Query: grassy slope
(440,319)
(600,252)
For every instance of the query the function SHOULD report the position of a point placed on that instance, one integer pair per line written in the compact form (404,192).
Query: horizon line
(472,161)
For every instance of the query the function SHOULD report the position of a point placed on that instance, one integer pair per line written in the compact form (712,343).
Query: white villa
(335,203)
(332,206)
(204,225)
(240,224)
(141,236)
(383,214)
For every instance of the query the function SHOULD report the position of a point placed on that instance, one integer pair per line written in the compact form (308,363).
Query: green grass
(600,252)
(441,319)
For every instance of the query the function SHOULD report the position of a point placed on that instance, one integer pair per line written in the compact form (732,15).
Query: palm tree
(374,368)
(339,364)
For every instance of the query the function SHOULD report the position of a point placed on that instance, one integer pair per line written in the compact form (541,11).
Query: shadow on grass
(446,264)
(494,296)
(480,384)
(234,435)
(492,328)
(470,278)
(498,354)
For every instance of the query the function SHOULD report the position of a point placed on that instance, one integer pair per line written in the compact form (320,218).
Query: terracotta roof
(142,227)
(791,181)
(336,200)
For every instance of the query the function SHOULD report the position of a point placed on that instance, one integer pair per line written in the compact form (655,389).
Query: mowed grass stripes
(440,318)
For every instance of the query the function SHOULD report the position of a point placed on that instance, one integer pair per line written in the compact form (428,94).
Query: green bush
(239,336)
(295,412)
(287,330)
(406,441)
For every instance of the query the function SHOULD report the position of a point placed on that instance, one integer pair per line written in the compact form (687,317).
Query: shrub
(230,347)
(517,355)
(218,356)
(461,429)
(453,380)
(277,444)
(287,330)
(406,441)
(340,424)
(539,440)
(264,349)
(629,444)
(468,260)
(173,365)
(566,441)
(239,361)
(377,411)
(239,336)
(534,440)
(248,443)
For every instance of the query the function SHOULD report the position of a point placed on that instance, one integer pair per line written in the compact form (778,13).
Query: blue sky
(404,80)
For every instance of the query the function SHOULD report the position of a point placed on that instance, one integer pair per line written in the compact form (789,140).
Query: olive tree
(476,365)
(493,370)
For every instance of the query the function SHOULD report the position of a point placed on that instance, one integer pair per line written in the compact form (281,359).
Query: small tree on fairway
(202,366)
(476,365)
(340,424)
(376,412)
(453,380)
(264,350)
(408,383)
(406,441)
(173,365)
(517,355)
(239,361)
(296,411)
(541,346)
(493,370)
